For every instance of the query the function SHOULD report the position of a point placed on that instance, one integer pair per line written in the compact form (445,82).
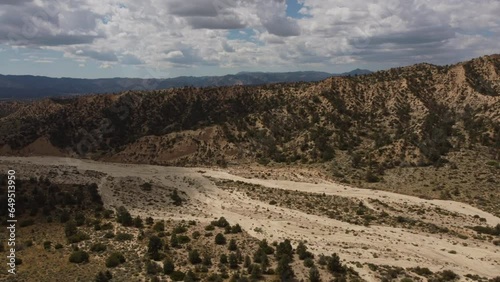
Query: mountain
(356,72)
(377,129)
(31,87)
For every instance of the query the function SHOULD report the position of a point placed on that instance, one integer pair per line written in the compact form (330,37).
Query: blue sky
(167,38)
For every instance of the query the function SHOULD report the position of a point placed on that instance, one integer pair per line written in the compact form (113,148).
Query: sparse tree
(220,239)
(168,266)
(314,275)
(154,247)
(194,257)
(138,222)
(232,245)
(284,270)
(233,261)
(123,216)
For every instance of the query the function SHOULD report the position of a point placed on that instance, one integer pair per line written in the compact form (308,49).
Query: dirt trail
(382,245)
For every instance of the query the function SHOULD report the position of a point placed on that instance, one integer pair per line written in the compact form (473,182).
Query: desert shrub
(223,259)
(79,257)
(284,270)
(308,262)
(146,186)
(159,226)
(221,222)
(58,246)
(314,275)
(123,216)
(196,235)
(183,239)
(422,271)
(168,266)
(194,257)
(176,198)
(209,227)
(109,235)
(495,231)
(138,222)
(232,245)
(103,276)
(220,239)
(98,247)
(179,229)
(233,260)
(123,237)
(47,245)
(115,259)
(78,237)
(107,226)
(334,265)
(236,229)
(152,267)
(177,275)
(448,275)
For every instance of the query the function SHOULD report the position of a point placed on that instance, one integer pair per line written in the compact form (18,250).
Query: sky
(168,38)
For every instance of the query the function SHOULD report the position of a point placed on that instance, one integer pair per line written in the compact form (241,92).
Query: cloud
(170,34)
(105,66)
(201,8)
(108,56)
(44,24)
(130,59)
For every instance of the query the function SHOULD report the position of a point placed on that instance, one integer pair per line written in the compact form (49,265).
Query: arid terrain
(389,176)
(374,232)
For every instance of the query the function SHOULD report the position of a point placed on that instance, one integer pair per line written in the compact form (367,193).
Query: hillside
(424,126)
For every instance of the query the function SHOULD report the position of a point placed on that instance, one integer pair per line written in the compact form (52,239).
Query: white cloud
(184,34)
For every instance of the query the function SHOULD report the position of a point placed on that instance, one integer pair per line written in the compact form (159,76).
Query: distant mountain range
(32,87)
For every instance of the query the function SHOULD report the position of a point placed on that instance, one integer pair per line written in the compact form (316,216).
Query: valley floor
(404,238)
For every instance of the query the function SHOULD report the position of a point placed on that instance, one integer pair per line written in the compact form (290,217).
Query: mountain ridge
(32,87)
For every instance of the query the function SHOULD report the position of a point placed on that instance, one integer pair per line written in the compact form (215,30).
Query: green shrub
(177,275)
(183,239)
(220,239)
(98,248)
(103,276)
(168,266)
(159,226)
(78,237)
(114,260)
(194,257)
(109,235)
(448,275)
(196,235)
(79,257)
(179,229)
(308,262)
(123,237)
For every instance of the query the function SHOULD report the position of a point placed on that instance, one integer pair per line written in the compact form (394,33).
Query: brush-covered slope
(413,115)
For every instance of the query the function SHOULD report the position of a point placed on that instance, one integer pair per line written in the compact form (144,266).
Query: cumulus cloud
(168,34)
